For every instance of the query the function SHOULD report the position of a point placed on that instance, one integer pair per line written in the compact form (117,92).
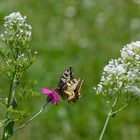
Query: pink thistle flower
(52,95)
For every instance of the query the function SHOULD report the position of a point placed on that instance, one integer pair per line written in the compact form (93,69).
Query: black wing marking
(66,77)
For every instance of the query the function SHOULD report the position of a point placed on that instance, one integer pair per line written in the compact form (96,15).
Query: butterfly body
(69,87)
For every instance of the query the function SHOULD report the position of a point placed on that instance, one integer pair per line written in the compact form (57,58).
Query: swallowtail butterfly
(69,87)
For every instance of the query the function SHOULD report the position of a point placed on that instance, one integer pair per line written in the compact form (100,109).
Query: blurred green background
(84,34)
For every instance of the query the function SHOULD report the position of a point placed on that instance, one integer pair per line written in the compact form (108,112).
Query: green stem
(11,92)
(108,118)
(26,123)
(120,109)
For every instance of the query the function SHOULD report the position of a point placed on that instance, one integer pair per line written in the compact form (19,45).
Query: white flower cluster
(122,74)
(131,56)
(17,33)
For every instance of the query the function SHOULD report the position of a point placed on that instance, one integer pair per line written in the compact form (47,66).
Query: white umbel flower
(13,17)
(122,74)
(17,32)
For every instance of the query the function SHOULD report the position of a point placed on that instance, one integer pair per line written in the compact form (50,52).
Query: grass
(83,34)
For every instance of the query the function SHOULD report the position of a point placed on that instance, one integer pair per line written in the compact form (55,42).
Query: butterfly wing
(66,77)
(69,87)
(71,90)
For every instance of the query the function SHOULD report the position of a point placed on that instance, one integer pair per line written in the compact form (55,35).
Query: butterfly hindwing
(71,91)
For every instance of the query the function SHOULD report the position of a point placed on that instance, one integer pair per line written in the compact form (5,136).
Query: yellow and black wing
(71,90)
(69,87)
(66,77)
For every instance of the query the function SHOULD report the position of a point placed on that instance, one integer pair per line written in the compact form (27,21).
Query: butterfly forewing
(66,77)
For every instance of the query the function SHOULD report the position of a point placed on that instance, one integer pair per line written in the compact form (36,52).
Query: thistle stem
(26,123)
(108,118)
